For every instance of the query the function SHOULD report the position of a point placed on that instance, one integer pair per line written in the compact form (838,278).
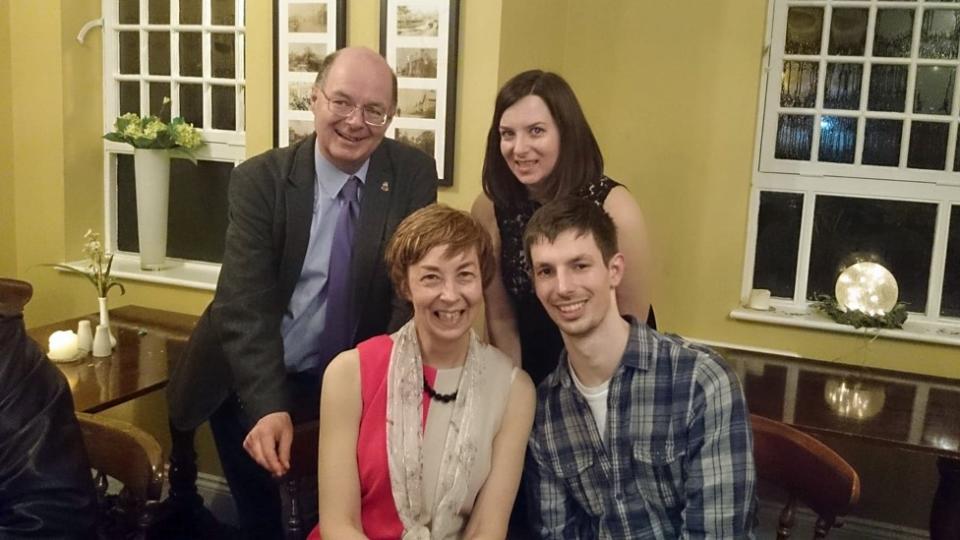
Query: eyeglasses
(372,115)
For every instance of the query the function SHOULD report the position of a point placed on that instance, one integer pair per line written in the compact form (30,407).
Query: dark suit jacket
(237,345)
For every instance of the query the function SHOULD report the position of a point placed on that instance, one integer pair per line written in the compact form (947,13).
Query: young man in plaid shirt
(637,435)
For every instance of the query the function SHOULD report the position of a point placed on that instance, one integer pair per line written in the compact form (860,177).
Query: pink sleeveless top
(378,513)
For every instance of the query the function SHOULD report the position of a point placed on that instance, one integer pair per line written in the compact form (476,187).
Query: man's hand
(268,443)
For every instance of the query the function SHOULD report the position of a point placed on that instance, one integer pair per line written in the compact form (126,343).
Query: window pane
(934,90)
(896,234)
(778,236)
(798,87)
(159,57)
(881,142)
(129,52)
(892,36)
(838,139)
(928,145)
(888,88)
(222,12)
(129,11)
(191,103)
(842,87)
(794,136)
(224,107)
(804,28)
(848,32)
(129,97)
(197,220)
(159,12)
(191,54)
(939,33)
(223,61)
(159,91)
(198,209)
(190,11)
(950,300)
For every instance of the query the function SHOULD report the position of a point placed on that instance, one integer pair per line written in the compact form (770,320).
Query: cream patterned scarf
(405,439)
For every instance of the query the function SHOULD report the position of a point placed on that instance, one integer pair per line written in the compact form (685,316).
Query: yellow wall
(8,243)
(532,36)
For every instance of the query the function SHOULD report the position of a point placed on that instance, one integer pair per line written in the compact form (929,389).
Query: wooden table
(883,407)
(147,341)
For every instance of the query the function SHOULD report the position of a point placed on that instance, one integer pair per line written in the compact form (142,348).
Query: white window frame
(811,178)
(221,145)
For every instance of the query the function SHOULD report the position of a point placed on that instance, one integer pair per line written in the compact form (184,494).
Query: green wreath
(893,319)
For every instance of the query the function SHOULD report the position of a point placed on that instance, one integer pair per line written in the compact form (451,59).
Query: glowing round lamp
(867,287)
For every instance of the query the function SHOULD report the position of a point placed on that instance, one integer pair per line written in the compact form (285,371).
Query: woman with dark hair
(539,148)
(415,439)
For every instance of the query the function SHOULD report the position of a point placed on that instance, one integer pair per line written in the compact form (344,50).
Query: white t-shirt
(596,397)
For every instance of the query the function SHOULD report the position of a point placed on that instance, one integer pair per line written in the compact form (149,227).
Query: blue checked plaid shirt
(678,462)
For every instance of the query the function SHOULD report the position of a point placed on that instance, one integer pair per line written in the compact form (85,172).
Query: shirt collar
(640,346)
(330,180)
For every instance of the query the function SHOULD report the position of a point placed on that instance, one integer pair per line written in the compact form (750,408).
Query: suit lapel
(299,194)
(374,206)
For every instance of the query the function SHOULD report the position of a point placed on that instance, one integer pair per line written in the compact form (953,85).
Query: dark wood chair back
(14,294)
(298,488)
(134,458)
(807,470)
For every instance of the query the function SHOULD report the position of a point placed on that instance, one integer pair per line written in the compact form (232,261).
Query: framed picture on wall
(419,40)
(306,31)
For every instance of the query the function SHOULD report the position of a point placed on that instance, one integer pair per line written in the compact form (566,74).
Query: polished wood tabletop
(910,411)
(147,341)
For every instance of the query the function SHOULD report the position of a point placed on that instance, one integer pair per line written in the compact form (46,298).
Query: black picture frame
(287,119)
(401,38)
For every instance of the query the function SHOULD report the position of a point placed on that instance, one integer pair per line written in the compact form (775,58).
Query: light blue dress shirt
(304,320)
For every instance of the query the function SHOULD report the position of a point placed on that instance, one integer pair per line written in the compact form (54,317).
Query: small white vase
(152,171)
(105,320)
(101,342)
(84,336)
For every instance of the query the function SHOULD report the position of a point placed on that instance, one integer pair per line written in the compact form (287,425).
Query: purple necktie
(337,332)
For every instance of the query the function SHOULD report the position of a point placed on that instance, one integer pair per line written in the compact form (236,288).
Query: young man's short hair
(572,213)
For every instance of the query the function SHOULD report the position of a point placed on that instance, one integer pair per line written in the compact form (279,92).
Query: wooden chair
(14,294)
(298,488)
(808,470)
(133,457)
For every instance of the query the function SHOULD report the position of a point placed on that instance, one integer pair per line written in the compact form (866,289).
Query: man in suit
(254,362)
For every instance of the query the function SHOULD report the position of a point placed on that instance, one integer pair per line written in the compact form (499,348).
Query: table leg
(945,514)
(182,514)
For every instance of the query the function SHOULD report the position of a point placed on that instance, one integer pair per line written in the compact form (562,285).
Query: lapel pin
(385,187)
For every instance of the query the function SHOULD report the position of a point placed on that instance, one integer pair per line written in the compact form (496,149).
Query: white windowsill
(181,273)
(913,329)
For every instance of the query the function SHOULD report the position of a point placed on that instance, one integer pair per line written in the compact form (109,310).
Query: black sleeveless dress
(540,341)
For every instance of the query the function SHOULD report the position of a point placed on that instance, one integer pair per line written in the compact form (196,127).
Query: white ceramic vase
(152,170)
(105,320)
(101,342)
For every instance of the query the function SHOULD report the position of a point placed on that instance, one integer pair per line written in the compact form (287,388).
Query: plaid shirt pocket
(658,476)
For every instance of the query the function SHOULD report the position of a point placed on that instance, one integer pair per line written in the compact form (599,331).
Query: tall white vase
(152,169)
(105,320)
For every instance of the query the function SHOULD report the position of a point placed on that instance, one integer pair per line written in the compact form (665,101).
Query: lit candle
(63,345)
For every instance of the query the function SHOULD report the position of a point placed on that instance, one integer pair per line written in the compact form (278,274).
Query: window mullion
(803,257)
(938,260)
(821,81)
(174,60)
